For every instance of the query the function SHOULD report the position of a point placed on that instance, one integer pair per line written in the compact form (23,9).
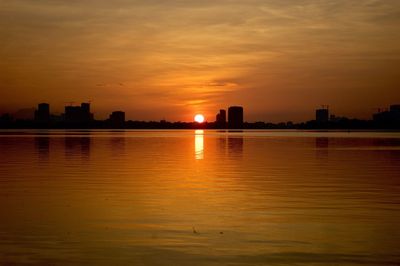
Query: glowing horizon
(172,59)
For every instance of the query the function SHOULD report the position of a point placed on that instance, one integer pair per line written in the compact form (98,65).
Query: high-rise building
(85,107)
(389,117)
(322,115)
(220,120)
(78,114)
(72,113)
(117,119)
(42,114)
(235,117)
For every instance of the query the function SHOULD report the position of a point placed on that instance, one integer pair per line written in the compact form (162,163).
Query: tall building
(322,115)
(78,114)
(117,119)
(85,108)
(390,118)
(235,117)
(220,119)
(42,114)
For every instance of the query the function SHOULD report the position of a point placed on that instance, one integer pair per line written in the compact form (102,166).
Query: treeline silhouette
(344,123)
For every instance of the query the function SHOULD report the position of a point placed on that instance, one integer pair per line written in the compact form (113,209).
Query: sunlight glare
(199,118)
(199,144)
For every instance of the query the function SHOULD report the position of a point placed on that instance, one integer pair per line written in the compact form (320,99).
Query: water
(199,198)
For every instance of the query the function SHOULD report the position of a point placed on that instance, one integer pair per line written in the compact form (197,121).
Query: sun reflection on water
(199,144)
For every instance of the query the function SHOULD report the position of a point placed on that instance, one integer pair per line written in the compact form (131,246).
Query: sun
(199,118)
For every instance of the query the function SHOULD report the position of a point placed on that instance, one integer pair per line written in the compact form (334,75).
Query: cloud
(262,54)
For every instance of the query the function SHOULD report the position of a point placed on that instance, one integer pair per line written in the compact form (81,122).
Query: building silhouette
(322,115)
(5,120)
(235,117)
(78,114)
(220,120)
(117,119)
(388,118)
(395,111)
(85,107)
(42,113)
(81,117)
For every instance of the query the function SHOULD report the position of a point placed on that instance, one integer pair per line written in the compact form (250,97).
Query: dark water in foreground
(199,198)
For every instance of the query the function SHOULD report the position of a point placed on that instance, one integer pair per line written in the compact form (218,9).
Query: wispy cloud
(266,55)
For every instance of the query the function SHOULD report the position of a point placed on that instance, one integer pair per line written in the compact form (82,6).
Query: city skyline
(158,59)
(81,116)
(324,110)
(200,132)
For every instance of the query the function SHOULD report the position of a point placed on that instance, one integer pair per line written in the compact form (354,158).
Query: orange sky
(170,59)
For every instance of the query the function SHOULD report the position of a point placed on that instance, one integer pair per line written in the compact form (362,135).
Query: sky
(171,59)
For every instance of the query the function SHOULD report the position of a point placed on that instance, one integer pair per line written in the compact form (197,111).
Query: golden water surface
(199,197)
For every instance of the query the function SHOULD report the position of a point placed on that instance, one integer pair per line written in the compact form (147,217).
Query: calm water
(199,198)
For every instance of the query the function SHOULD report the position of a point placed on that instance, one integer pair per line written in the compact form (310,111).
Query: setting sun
(199,118)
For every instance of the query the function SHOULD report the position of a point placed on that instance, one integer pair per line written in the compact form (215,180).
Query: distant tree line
(6,122)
